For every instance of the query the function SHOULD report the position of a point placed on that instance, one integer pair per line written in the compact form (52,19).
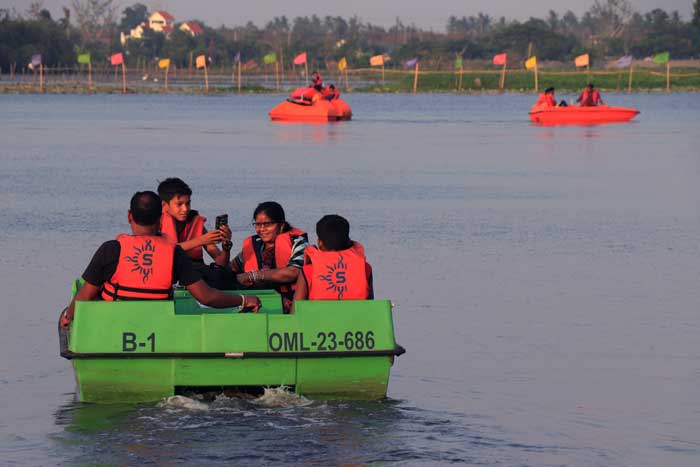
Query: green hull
(138,351)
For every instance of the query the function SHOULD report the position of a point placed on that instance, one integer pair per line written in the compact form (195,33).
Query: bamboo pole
(382,74)
(206,79)
(89,75)
(537,84)
(189,68)
(629,83)
(123,78)
(668,77)
(167,70)
(588,73)
(41,78)
(277,76)
(415,79)
(347,81)
(503,77)
(306,70)
(461,76)
(239,76)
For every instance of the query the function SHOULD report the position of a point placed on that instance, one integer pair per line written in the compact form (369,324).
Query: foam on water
(281,397)
(182,402)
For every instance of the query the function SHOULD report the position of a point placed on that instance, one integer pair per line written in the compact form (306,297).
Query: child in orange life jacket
(337,268)
(185,227)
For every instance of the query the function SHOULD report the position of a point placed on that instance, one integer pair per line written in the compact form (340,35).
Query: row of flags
(377,60)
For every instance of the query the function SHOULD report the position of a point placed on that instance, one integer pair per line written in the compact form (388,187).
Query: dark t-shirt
(104,264)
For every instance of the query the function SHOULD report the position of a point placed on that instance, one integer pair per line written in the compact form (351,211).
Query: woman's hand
(244,279)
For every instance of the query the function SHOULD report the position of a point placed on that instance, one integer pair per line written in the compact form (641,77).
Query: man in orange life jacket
(317,81)
(144,265)
(590,97)
(184,226)
(337,269)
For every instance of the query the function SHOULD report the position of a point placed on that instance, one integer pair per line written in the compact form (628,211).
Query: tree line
(610,28)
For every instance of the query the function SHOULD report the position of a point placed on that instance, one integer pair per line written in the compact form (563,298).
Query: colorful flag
(201,61)
(342,64)
(623,62)
(581,60)
(531,63)
(84,58)
(271,58)
(36,60)
(300,59)
(250,64)
(500,59)
(237,58)
(164,63)
(661,58)
(459,62)
(377,60)
(117,59)
(411,63)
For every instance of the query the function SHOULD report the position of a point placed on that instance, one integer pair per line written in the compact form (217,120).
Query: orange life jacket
(589,99)
(144,271)
(546,99)
(194,227)
(336,275)
(283,252)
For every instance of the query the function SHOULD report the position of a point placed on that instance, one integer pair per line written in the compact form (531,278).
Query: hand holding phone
(221,220)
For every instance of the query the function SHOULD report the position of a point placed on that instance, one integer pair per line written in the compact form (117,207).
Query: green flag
(661,58)
(84,58)
(270,58)
(458,63)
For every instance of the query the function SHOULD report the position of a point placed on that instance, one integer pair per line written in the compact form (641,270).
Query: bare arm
(86,293)
(283,275)
(302,289)
(217,299)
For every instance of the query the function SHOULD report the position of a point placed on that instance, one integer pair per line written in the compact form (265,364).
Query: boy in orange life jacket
(185,227)
(143,266)
(337,269)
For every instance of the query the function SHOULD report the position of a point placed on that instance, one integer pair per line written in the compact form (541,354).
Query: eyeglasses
(263,224)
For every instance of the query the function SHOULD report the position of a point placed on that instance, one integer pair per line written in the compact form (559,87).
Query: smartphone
(221,220)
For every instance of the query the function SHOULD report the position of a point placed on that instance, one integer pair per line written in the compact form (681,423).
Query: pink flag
(117,59)
(300,59)
(499,59)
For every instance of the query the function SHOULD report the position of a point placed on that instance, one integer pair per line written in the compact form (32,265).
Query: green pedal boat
(139,351)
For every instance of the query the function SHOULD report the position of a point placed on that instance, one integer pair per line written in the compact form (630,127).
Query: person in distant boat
(317,81)
(184,226)
(547,98)
(590,97)
(330,92)
(144,265)
(336,269)
(274,256)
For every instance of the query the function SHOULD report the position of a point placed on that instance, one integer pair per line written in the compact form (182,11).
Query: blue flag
(623,62)
(411,63)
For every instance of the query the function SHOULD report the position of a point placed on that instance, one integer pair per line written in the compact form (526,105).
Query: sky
(431,14)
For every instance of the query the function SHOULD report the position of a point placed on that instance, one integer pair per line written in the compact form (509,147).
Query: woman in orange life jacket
(317,81)
(590,97)
(337,269)
(144,265)
(274,256)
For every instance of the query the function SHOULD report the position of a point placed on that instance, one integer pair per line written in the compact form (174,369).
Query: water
(545,278)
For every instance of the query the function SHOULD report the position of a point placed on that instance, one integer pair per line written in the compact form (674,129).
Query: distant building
(192,28)
(161,21)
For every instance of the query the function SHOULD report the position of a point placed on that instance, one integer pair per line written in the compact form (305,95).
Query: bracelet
(242,305)
(262,275)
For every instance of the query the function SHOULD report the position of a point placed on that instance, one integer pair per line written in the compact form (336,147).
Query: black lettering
(128,342)
(152,338)
(333,344)
(340,277)
(147,259)
(322,338)
(290,343)
(301,342)
(275,342)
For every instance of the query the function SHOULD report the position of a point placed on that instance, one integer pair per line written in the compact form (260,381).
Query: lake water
(545,279)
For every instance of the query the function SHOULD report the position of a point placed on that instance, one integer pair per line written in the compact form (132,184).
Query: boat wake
(277,397)
(280,397)
(182,402)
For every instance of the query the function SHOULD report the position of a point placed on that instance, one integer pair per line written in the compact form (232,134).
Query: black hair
(172,187)
(590,85)
(549,89)
(145,208)
(334,231)
(274,211)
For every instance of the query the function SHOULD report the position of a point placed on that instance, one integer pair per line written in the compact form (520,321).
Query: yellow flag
(531,63)
(164,63)
(342,64)
(201,61)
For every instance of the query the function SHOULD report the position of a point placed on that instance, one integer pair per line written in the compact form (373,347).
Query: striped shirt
(296,259)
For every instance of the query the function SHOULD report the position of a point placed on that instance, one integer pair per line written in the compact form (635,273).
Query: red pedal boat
(575,115)
(309,105)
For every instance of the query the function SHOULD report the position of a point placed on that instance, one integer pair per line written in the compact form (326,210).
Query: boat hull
(141,351)
(319,111)
(574,115)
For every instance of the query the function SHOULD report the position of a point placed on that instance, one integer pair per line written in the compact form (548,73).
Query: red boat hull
(574,115)
(320,110)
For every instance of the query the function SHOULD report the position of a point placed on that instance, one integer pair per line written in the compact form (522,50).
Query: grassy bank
(402,82)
